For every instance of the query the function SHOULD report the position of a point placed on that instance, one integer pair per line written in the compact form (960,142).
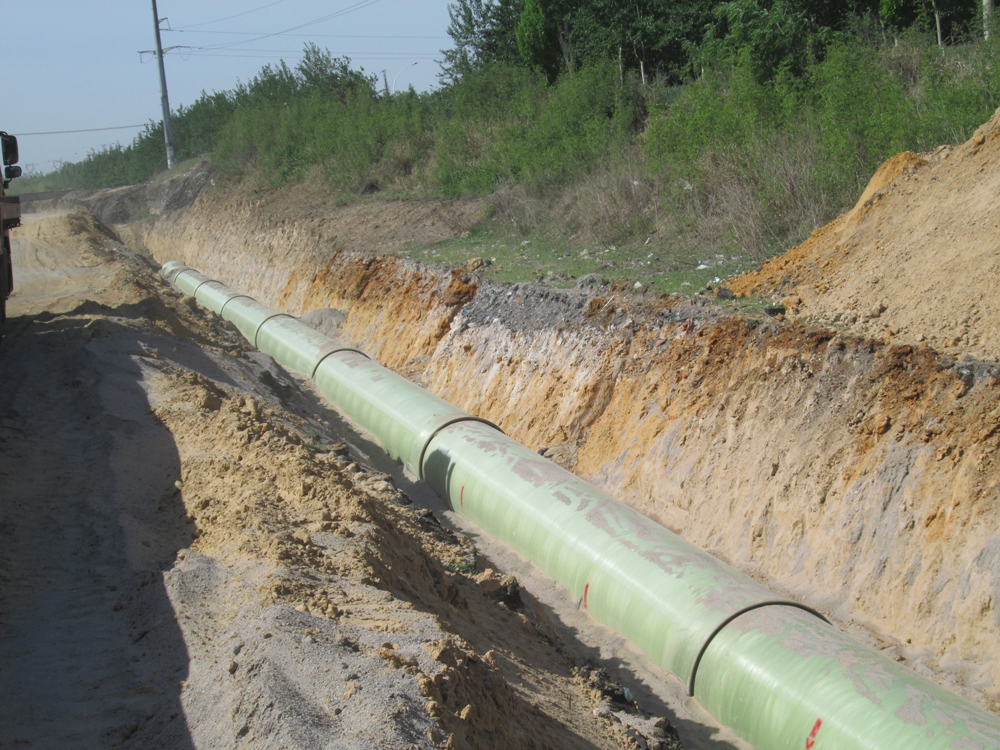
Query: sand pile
(917,260)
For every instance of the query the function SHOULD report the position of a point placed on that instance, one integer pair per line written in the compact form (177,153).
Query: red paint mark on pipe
(461,497)
(585,589)
(811,739)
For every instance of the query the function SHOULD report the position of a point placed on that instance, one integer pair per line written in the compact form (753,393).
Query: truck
(10,217)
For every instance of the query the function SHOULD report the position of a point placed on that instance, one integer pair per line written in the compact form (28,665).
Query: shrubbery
(734,159)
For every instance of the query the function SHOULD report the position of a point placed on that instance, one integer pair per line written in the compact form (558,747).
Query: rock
(233,666)
(882,424)
(591,282)
(723,293)
(210,402)
(503,589)
(475,264)
(351,689)
(129,730)
(774,312)
(875,311)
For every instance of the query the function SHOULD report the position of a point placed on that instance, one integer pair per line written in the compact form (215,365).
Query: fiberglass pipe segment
(778,676)
(770,668)
(629,572)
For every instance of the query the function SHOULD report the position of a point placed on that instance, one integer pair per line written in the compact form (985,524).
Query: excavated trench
(852,474)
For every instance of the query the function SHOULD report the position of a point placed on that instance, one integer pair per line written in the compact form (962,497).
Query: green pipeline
(771,668)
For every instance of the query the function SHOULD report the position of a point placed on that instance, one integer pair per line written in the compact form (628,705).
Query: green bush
(766,143)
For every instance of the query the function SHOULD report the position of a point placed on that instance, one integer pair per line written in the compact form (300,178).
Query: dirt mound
(914,261)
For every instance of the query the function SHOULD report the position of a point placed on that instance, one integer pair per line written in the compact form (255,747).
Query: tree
(653,35)
(649,35)
(537,41)
(782,34)
(950,19)
(484,32)
(332,76)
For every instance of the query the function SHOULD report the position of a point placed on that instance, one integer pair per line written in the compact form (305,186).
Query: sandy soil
(915,261)
(198,554)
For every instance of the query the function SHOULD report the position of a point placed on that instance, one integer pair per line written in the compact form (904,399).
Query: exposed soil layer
(852,465)
(914,261)
(194,557)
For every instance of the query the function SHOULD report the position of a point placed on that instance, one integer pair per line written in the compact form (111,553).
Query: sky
(75,65)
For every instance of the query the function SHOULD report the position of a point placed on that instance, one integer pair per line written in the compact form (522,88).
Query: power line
(219,20)
(313,36)
(237,55)
(85,130)
(197,50)
(251,54)
(342,12)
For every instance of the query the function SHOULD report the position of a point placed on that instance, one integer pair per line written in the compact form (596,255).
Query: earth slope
(916,260)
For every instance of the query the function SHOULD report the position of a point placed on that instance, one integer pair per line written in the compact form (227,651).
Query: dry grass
(754,202)
(612,203)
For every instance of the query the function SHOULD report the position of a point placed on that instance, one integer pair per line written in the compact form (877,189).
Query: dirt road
(78,448)
(198,554)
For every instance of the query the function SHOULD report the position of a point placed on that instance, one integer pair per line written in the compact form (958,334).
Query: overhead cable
(85,130)
(342,12)
(315,36)
(219,20)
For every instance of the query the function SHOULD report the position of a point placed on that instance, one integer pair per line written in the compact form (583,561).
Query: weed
(463,567)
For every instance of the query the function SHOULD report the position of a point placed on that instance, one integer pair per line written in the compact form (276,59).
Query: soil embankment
(852,465)
(915,261)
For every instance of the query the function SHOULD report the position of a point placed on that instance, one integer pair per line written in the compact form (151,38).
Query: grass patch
(560,262)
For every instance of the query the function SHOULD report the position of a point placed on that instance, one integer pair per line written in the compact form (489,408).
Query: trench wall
(859,476)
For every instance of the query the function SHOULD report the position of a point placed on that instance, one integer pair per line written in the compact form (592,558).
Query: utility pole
(168,131)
